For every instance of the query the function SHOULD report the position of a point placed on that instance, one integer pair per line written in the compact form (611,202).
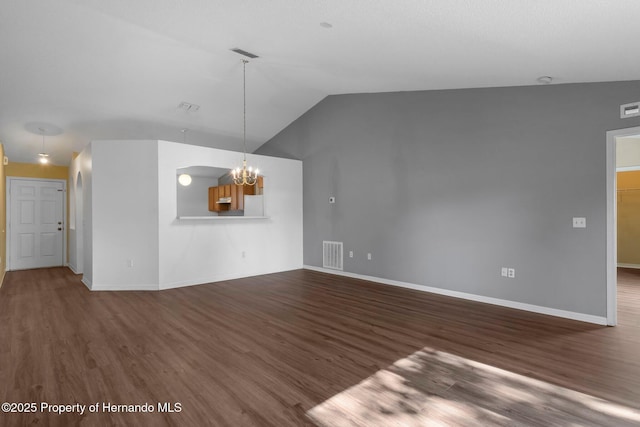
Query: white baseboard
(133,287)
(623,265)
(73,269)
(220,278)
(589,318)
(86,282)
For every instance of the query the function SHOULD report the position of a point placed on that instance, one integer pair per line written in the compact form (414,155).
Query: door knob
(59,228)
(59,222)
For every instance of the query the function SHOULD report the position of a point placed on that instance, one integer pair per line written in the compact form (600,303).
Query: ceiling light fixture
(43,156)
(244,176)
(545,80)
(184,179)
(326,25)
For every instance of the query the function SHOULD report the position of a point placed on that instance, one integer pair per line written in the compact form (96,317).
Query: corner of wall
(3,217)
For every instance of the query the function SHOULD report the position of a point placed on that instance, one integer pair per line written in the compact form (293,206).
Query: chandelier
(243,175)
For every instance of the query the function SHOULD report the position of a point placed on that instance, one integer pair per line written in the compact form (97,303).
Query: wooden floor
(264,351)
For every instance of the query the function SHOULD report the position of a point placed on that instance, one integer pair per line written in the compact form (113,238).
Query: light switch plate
(503,272)
(579,222)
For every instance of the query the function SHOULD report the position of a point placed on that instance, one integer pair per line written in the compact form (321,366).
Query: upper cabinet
(229,197)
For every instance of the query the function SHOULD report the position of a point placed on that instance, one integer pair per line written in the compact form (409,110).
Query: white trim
(124,287)
(86,282)
(214,279)
(623,265)
(219,218)
(627,168)
(73,269)
(612,255)
(8,216)
(598,320)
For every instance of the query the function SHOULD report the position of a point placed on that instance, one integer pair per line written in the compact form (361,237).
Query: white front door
(36,224)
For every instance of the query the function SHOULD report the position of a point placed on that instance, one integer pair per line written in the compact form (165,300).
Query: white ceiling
(118,69)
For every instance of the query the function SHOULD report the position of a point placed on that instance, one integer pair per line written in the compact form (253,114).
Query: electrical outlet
(350,254)
(579,222)
(503,272)
(511,273)
(369,256)
(332,199)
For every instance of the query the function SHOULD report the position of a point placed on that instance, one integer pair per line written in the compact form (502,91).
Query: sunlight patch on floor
(435,388)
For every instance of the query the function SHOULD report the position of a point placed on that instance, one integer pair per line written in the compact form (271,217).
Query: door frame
(8,217)
(612,229)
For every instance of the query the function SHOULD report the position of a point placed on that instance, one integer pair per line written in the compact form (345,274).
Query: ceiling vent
(630,110)
(245,53)
(188,107)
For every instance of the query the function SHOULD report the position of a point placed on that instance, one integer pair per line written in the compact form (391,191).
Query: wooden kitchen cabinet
(213,198)
(235,192)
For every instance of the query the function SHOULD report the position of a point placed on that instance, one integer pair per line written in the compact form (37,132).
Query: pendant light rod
(43,155)
(244,107)
(244,175)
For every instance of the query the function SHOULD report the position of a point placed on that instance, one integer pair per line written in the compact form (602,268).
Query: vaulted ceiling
(118,69)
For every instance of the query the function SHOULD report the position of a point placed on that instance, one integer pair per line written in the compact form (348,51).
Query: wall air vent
(332,255)
(630,110)
(245,53)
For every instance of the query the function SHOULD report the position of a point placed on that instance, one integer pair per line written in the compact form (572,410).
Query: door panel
(36,224)
(27,212)
(27,242)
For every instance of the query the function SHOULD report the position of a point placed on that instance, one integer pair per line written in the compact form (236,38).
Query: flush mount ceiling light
(244,175)
(545,80)
(326,25)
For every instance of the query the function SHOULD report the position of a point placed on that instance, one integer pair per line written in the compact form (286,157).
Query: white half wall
(208,250)
(132,239)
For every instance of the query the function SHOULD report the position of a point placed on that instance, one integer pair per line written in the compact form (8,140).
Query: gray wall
(446,187)
(193,200)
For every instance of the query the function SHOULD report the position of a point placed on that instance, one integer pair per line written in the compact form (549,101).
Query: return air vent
(244,53)
(630,110)
(332,255)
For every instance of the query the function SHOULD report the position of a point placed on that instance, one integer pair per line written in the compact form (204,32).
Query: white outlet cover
(511,273)
(350,254)
(579,222)
(332,199)
(369,257)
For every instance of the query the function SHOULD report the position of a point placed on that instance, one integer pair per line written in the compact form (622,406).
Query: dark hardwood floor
(264,351)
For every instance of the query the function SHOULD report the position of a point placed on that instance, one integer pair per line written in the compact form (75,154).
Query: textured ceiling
(118,69)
